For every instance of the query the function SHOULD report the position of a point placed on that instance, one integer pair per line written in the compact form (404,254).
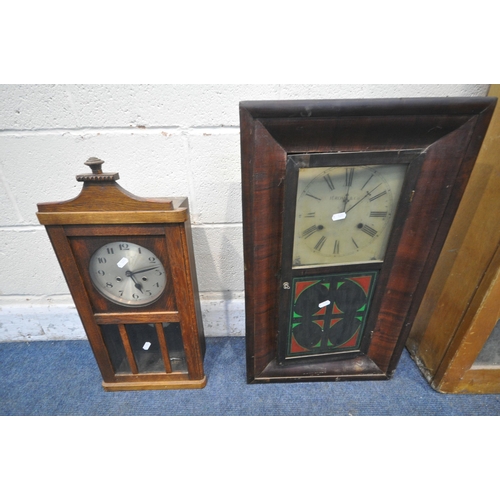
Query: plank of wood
(467,252)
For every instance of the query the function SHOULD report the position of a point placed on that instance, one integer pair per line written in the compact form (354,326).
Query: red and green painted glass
(328,313)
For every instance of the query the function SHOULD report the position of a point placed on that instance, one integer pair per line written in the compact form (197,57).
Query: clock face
(127,274)
(344,214)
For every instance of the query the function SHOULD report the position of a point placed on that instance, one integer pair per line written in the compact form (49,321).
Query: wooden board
(458,311)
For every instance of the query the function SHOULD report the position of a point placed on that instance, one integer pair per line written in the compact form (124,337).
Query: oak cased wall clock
(129,264)
(346,205)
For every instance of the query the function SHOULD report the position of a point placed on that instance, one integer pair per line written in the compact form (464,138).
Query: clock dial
(127,274)
(345,214)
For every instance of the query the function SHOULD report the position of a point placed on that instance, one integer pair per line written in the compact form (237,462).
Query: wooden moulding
(130,318)
(55,218)
(108,203)
(444,134)
(160,385)
(103,201)
(460,306)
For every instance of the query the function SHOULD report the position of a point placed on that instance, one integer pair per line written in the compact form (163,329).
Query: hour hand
(130,274)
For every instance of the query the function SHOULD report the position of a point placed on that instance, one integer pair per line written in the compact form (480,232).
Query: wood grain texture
(264,168)
(104,213)
(185,298)
(125,318)
(108,203)
(448,133)
(137,217)
(78,291)
(477,324)
(359,368)
(163,347)
(171,384)
(190,263)
(440,189)
(106,196)
(128,349)
(439,339)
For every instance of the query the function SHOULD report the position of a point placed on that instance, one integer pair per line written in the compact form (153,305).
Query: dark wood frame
(104,212)
(444,134)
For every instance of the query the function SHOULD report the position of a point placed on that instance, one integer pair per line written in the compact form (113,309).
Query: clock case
(437,138)
(103,213)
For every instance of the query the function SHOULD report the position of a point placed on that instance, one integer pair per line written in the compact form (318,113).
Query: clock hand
(346,198)
(349,174)
(350,208)
(130,274)
(342,215)
(368,193)
(142,270)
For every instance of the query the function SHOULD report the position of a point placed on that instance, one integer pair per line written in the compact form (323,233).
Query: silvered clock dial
(127,274)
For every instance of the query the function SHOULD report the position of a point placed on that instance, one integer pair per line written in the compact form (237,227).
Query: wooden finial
(97,174)
(95,164)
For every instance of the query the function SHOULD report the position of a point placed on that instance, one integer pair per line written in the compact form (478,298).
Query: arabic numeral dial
(127,274)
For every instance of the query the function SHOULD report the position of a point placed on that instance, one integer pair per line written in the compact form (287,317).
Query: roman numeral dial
(345,214)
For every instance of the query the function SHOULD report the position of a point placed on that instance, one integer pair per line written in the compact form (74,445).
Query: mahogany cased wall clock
(129,264)
(346,205)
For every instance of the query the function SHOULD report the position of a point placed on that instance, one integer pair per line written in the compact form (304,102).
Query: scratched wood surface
(445,338)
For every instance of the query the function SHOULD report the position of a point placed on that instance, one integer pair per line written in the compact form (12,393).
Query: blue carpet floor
(62,378)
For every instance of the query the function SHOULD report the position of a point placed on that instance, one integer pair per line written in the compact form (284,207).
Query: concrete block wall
(164,140)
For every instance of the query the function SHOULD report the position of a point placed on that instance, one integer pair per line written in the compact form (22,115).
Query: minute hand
(368,193)
(142,270)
